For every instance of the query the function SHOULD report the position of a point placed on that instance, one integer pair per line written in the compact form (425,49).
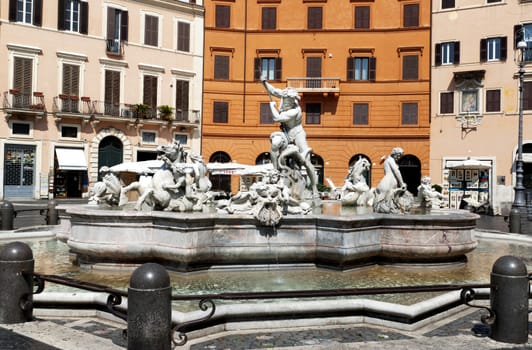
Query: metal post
(149,315)
(519,204)
(7,213)
(16,279)
(52,214)
(509,300)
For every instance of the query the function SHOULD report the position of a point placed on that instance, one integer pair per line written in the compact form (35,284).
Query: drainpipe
(245,61)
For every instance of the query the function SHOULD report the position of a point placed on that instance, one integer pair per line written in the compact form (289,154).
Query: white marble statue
(427,196)
(391,195)
(355,191)
(291,141)
(108,190)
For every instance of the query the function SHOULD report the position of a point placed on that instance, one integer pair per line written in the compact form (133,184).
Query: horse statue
(355,191)
(158,190)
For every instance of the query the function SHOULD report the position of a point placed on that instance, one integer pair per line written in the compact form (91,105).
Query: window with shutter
(221,112)
(409,113)
(313,71)
(183,36)
(360,114)
(527,95)
(149,96)
(117,29)
(151,30)
(313,113)
(112,92)
(362,17)
(221,67)
(70,87)
(182,99)
(22,78)
(223,16)
(314,17)
(411,15)
(410,67)
(447,102)
(493,100)
(447,4)
(266,116)
(269,18)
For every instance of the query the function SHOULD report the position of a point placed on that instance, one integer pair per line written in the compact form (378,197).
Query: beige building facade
(475,99)
(87,84)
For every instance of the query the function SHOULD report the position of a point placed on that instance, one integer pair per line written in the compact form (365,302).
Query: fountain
(279,221)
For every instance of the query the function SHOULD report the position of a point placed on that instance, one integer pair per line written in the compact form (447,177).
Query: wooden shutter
(112,87)
(266,116)
(360,114)
(410,67)
(350,75)
(313,67)
(223,16)
(22,80)
(437,55)
(181,98)
(446,102)
(362,16)
(314,17)
(456,59)
(527,95)
(37,13)
(257,68)
(518,34)
(220,110)
(221,67)
(411,15)
(409,113)
(278,68)
(111,23)
(504,48)
(70,79)
(13,10)
(84,18)
(124,19)
(61,15)
(151,30)
(483,50)
(183,36)
(372,68)
(150,90)
(493,100)
(269,18)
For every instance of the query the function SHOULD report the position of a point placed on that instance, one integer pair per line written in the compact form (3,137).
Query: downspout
(245,61)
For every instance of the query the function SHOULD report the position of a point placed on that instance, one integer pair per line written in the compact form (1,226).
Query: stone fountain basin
(198,241)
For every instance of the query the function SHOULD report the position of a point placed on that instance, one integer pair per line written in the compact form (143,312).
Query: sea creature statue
(391,195)
(355,191)
(108,190)
(427,196)
(176,186)
(267,200)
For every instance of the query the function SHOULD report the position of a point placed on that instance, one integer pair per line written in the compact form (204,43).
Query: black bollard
(52,214)
(16,279)
(149,311)
(509,300)
(7,213)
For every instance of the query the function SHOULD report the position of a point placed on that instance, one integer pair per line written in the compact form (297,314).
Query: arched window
(410,167)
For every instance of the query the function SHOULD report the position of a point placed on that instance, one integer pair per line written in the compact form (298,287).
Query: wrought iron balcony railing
(15,100)
(115,47)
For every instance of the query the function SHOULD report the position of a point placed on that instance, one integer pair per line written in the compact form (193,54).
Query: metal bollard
(52,215)
(509,300)
(515,220)
(7,213)
(149,315)
(16,279)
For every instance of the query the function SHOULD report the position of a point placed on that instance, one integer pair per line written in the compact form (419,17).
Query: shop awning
(468,164)
(71,159)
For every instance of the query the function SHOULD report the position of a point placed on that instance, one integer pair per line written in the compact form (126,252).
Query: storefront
(19,171)
(468,179)
(70,173)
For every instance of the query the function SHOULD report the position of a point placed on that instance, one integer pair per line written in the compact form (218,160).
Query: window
(270,67)
(112,93)
(313,113)
(266,116)
(151,30)
(493,49)
(221,112)
(26,11)
(117,29)
(149,93)
(221,67)
(493,100)
(181,138)
(447,53)
(411,15)
(70,88)
(493,1)
(447,102)
(524,32)
(22,81)
(269,18)
(223,16)
(314,17)
(73,16)
(410,67)
(469,103)
(148,137)
(527,95)
(70,132)
(20,128)
(183,36)
(362,17)
(447,4)
(360,114)
(181,100)
(313,71)
(409,113)
(361,68)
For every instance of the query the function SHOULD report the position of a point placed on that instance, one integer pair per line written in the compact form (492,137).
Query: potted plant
(165,111)
(139,110)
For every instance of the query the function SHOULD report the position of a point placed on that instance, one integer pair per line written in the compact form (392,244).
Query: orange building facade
(361,68)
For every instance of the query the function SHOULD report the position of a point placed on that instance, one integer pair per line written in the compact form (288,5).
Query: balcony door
(313,71)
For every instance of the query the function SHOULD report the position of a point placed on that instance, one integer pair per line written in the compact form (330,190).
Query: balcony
(115,47)
(315,85)
(16,102)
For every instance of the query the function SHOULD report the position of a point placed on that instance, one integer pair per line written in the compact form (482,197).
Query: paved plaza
(459,328)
